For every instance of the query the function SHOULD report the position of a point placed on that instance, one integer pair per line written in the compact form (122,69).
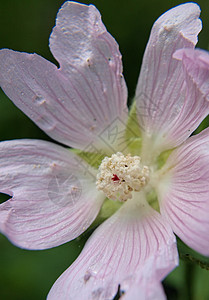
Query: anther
(119,175)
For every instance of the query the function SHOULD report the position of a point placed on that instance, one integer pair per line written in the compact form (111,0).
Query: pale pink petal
(196,106)
(161,89)
(150,290)
(196,67)
(117,252)
(54,198)
(184,192)
(75,103)
(147,285)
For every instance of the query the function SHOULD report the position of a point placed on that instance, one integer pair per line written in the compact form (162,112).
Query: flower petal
(117,251)
(75,103)
(160,94)
(147,286)
(196,106)
(52,200)
(196,67)
(184,192)
(151,290)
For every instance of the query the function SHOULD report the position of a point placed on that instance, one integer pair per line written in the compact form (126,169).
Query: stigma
(120,175)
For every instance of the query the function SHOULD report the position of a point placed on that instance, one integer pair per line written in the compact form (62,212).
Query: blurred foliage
(25,26)
(190,280)
(189,255)
(187,282)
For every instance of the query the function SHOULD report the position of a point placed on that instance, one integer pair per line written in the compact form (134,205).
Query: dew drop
(38,100)
(64,30)
(104,90)
(93,270)
(87,276)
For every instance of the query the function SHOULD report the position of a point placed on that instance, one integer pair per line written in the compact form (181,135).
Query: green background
(25,26)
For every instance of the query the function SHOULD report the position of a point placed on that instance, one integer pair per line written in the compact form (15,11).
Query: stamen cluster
(119,175)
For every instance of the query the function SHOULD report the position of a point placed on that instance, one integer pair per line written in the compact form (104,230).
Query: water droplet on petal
(87,276)
(39,100)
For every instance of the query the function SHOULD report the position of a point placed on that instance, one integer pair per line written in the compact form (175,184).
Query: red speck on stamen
(115,177)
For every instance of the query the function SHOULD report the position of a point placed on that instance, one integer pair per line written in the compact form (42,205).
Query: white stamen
(119,175)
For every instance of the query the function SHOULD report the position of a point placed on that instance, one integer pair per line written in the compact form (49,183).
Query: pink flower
(154,173)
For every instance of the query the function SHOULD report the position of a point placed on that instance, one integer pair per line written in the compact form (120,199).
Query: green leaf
(133,134)
(189,255)
(109,207)
(94,159)
(204,124)
(162,158)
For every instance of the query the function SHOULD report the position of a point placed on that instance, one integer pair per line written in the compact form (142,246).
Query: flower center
(119,175)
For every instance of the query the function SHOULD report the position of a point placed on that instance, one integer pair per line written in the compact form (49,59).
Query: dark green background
(25,26)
